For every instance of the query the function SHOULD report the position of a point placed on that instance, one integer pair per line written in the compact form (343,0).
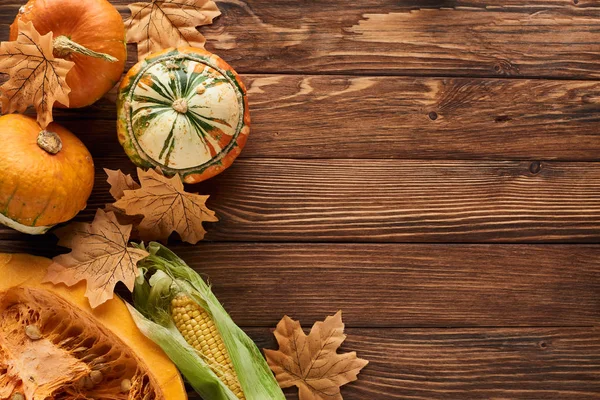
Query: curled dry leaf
(311,362)
(119,182)
(35,76)
(166,208)
(160,24)
(100,255)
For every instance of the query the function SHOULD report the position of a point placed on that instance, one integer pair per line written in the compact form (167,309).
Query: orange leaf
(166,207)
(35,76)
(119,182)
(311,362)
(161,24)
(99,255)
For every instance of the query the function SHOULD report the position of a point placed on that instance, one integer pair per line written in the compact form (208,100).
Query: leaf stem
(63,46)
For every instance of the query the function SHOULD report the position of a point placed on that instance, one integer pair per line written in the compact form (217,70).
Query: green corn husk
(163,276)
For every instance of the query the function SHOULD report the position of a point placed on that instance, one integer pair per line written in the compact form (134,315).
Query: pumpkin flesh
(80,353)
(94,24)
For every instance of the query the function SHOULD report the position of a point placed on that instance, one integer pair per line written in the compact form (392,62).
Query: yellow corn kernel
(199,331)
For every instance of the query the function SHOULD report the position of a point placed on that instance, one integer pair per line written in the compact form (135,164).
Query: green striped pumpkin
(185,111)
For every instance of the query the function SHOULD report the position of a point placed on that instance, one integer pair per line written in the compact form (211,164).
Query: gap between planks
(401,285)
(316,117)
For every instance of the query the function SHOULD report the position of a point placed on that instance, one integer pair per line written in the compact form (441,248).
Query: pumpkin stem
(49,141)
(180,105)
(63,46)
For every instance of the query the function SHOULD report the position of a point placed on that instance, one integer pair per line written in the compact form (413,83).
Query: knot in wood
(535,167)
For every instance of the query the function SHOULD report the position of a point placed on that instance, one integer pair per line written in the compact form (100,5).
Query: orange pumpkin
(46,176)
(90,33)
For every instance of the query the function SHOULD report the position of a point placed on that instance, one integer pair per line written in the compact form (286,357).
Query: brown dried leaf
(311,362)
(160,24)
(99,255)
(35,77)
(120,182)
(166,207)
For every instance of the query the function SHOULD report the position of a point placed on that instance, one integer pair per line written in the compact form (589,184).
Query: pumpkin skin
(94,24)
(39,189)
(110,324)
(184,111)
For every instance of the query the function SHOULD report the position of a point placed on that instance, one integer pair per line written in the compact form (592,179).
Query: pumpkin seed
(65,342)
(99,360)
(99,367)
(89,357)
(33,332)
(80,350)
(96,377)
(85,383)
(125,386)
(18,396)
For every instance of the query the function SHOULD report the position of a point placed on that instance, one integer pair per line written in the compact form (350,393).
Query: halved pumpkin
(184,111)
(54,346)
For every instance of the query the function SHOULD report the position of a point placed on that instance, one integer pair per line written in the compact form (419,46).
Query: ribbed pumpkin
(185,111)
(90,33)
(46,176)
(54,346)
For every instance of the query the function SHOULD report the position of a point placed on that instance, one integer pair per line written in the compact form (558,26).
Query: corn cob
(176,308)
(199,331)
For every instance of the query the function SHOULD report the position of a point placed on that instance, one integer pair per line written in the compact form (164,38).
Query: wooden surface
(430,167)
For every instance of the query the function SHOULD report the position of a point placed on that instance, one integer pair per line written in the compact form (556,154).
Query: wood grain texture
(304,116)
(396,285)
(406,201)
(552,38)
(393,201)
(404,285)
(340,88)
(449,38)
(466,364)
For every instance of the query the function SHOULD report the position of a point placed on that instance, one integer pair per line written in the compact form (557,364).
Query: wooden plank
(405,285)
(406,201)
(394,201)
(388,37)
(299,116)
(396,285)
(469,363)
(551,38)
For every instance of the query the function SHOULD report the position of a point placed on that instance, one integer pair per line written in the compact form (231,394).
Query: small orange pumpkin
(46,176)
(90,33)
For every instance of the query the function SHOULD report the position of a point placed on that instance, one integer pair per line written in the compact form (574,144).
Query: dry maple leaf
(35,76)
(160,24)
(311,362)
(100,255)
(119,182)
(166,207)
